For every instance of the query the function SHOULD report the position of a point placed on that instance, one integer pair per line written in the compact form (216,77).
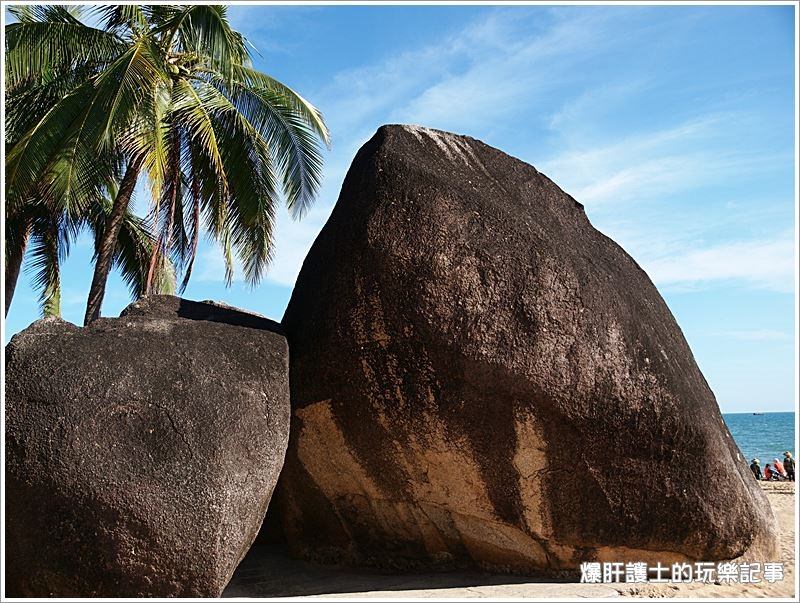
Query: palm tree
(168,93)
(46,236)
(45,229)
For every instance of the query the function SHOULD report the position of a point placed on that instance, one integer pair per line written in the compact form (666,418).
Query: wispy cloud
(502,66)
(656,192)
(469,78)
(754,335)
(72,297)
(655,163)
(484,74)
(582,113)
(261,25)
(766,264)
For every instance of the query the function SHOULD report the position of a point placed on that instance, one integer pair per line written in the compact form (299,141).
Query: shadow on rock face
(168,306)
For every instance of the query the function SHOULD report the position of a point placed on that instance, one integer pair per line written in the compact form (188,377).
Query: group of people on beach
(775,471)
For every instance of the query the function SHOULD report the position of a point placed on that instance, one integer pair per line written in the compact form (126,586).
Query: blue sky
(673,125)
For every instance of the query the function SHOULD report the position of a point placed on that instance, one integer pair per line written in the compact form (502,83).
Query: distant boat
(758,413)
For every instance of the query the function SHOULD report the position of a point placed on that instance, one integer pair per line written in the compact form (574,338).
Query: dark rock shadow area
(268,571)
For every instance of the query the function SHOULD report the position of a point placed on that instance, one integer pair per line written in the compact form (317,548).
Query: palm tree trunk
(108,243)
(195,234)
(14,265)
(162,246)
(151,271)
(165,238)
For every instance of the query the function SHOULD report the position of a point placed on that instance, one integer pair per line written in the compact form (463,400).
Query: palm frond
(193,114)
(167,216)
(62,148)
(49,246)
(178,239)
(17,230)
(32,99)
(134,246)
(37,49)
(293,142)
(252,184)
(149,138)
(193,229)
(204,31)
(227,253)
(28,160)
(252,78)
(125,90)
(47,13)
(122,19)
(158,15)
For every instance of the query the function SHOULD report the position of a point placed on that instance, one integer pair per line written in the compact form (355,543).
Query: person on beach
(755,467)
(779,468)
(770,474)
(788,464)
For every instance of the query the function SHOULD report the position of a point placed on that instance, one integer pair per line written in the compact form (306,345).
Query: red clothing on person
(779,467)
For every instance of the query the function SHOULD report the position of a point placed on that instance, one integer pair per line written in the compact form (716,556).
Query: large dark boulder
(478,376)
(141,452)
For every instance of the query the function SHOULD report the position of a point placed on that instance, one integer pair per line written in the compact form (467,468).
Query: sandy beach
(268,573)
(781,497)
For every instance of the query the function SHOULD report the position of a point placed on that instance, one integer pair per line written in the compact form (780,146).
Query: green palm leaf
(167,91)
(39,49)
(293,142)
(49,246)
(249,213)
(123,19)
(203,31)
(252,78)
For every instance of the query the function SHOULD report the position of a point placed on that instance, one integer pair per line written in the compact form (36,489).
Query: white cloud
(643,165)
(766,264)
(580,112)
(506,69)
(661,163)
(479,76)
(73,297)
(490,66)
(755,335)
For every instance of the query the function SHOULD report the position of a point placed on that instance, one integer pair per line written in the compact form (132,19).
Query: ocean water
(763,436)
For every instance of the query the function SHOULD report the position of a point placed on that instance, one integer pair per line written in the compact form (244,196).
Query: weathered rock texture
(480,376)
(141,452)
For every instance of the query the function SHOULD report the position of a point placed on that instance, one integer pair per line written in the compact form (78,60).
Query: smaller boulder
(142,451)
